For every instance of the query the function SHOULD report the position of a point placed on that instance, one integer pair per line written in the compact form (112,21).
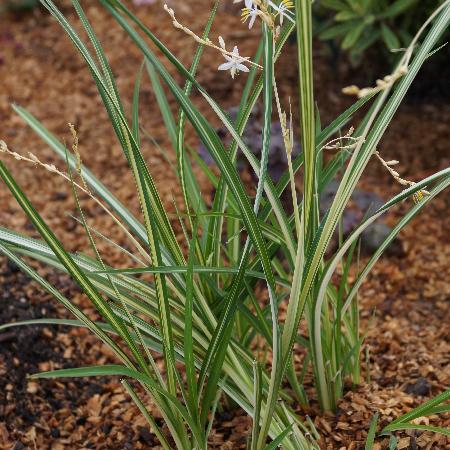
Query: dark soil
(32,410)
(405,300)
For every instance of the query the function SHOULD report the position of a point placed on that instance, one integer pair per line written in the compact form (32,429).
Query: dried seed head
(417,196)
(3,147)
(351,90)
(33,157)
(381,85)
(338,143)
(392,162)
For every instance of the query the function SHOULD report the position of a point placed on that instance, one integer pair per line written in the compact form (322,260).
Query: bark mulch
(404,301)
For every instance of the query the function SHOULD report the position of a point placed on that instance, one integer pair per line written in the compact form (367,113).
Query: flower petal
(242,68)
(226,66)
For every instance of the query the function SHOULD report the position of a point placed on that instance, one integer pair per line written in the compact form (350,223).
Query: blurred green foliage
(358,25)
(17,5)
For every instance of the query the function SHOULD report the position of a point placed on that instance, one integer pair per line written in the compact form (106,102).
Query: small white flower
(249,11)
(253,14)
(234,62)
(283,9)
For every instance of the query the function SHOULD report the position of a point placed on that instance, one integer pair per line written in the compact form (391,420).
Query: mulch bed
(405,299)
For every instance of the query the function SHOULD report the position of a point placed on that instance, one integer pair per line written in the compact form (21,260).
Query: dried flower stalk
(417,196)
(207,42)
(33,159)
(381,84)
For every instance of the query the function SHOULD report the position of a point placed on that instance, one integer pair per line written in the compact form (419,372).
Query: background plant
(359,25)
(18,5)
(196,303)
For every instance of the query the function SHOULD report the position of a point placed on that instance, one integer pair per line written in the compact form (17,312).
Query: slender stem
(288,143)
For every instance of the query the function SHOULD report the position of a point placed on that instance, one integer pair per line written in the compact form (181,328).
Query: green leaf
(338,5)
(371,434)
(343,16)
(188,337)
(279,439)
(365,41)
(393,441)
(411,426)
(154,426)
(390,39)
(338,30)
(135,121)
(163,104)
(396,8)
(352,36)
(257,393)
(420,411)
(204,129)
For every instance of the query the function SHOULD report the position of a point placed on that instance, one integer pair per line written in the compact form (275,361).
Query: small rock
(374,235)
(46,332)
(363,203)
(55,433)
(252,137)
(145,436)
(420,387)
(32,387)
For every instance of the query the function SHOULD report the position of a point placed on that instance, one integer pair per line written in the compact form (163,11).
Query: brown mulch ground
(408,338)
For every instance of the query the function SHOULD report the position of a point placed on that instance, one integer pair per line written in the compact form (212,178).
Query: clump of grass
(197,303)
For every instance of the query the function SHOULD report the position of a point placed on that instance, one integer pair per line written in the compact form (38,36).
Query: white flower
(234,62)
(253,14)
(250,10)
(283,9)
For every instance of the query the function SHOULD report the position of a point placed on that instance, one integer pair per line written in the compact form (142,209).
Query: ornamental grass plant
(196,302)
